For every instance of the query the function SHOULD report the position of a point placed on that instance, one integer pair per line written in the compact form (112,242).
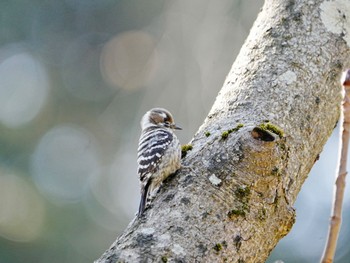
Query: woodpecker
(159,153)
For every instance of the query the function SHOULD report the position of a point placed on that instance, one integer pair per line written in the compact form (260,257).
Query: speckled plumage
(159,153)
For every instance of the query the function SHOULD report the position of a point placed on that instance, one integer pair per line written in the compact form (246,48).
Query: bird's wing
(151,149)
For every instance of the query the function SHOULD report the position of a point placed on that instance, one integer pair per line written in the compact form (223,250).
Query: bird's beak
(176,127)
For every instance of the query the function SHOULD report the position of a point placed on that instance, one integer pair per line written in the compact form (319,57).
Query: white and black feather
(159,153)
(153,144)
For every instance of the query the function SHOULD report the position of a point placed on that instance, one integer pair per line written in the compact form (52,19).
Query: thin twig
(336,218)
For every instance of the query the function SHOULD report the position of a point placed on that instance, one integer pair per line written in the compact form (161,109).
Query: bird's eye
(167,124)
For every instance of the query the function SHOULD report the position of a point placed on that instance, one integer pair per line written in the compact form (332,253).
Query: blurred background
(76,77)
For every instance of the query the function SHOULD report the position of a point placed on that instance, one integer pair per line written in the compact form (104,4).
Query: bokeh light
(63,163)
(24,86)
(129,60)
(22,210)
(80,68)
(114,191)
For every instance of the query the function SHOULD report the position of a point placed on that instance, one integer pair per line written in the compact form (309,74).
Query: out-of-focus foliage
(75,78)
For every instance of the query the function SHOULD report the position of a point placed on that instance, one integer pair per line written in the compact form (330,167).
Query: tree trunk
(279,104)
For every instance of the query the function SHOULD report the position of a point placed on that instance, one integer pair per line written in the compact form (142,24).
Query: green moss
(225,134)
(239,125)
(282,146)
(283,20)
(262,213)
(217,247)
(242,194)
(235,212)
(207,134)
(164,259)
(184,149)
(287,37)
(242,191)
(272,128)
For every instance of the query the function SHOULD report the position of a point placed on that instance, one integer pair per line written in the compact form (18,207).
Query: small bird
(159,153)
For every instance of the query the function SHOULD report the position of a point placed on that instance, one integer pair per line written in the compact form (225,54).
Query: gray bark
(235,202)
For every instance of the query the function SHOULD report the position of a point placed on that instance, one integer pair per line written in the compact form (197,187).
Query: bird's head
(158,117)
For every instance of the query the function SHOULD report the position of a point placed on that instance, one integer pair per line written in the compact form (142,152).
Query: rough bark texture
(235,204)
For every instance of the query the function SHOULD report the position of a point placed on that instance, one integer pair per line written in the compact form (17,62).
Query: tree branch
(277,108)
(336,218)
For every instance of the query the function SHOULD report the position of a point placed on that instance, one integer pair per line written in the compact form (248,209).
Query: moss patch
(217,247)
(242,191)
(207,134)
(184,149)
(241,210)
(272,128)
(225,134)
(242,194)
(262,213)
(282,146)
(235,212)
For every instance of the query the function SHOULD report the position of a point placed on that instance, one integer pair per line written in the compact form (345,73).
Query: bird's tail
(144,197)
